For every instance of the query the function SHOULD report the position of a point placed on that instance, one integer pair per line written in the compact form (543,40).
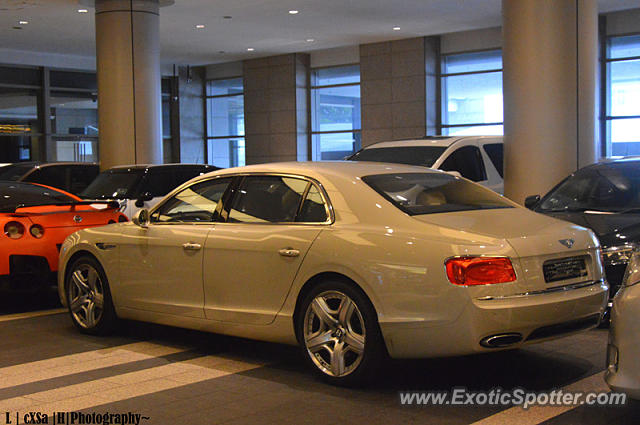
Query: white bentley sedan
(352,261)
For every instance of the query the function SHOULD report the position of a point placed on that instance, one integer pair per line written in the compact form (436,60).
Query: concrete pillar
(392,89)
(549,82)
(276,108)
(129,94)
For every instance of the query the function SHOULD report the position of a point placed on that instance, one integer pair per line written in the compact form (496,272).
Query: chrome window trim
(323,193)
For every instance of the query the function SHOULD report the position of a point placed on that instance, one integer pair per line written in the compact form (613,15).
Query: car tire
(335,315)
(89,298)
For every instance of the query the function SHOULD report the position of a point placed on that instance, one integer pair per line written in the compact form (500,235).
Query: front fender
(87,241)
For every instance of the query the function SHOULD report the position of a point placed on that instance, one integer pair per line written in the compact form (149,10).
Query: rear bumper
(47,251)
(534,317)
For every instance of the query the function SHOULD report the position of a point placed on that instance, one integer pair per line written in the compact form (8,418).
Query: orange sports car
(35,220)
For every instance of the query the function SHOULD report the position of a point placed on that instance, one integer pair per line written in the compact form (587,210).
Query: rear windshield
(429,193)
(411,155)
(13,195)
(114,184)
(15,171)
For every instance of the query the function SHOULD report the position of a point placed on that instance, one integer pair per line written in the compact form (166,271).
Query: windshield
(14,172)
(608,187)
(13,195)
(428,193)
(425,156)
(114,184)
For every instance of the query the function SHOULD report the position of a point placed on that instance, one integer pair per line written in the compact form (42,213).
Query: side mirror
(141,218)
(531,201)
(147,196)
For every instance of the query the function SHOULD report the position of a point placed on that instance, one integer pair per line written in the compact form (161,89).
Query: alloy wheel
(86,296)
(334,333)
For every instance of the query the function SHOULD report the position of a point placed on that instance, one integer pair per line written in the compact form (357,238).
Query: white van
(477,158)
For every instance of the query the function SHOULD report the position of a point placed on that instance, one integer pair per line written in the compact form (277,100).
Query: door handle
(190,246)
(289,252)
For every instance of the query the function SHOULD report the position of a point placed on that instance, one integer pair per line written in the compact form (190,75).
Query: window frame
(206,115)
(223,208)
(312,87)
(606,95)
(443,127)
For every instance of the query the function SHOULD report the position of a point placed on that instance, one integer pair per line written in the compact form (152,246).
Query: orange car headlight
(14,229)
(37,231)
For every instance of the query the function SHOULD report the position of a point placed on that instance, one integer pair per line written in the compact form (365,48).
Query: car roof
(37,164)
(348,169)
(614,160)
(439,141)
(147,166)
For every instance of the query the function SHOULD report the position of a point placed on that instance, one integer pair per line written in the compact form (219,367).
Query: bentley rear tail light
(469,271)
(37,231)
(14,229)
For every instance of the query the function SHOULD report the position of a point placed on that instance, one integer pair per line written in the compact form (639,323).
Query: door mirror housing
(531,201)
(141,218)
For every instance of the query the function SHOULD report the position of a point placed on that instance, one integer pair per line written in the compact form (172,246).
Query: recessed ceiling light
(293,12)
(250,49)
(396,28)
(83,11)
(199,26)
(23,22)
(310,40)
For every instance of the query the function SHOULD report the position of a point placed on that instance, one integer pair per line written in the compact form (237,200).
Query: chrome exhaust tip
(501,340)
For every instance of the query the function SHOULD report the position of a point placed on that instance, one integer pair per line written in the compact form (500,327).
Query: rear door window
(495,152)
(313,209)
(268,199)
(466,160)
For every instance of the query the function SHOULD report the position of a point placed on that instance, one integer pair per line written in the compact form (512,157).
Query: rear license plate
(564,269)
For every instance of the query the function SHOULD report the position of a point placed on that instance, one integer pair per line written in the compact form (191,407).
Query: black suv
(141,186)
(72,177)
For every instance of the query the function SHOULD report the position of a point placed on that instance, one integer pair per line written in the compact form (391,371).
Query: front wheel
(339,333)
(89,298)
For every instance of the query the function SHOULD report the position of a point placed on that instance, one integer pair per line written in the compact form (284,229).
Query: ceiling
(55,26)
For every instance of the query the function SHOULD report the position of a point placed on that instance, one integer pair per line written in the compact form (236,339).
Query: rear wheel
(339,333)
(89,298)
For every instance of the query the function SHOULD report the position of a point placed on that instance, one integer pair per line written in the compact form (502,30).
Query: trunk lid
(540,242)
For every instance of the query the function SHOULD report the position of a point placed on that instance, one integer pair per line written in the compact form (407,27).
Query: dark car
(605,198)
(138,186)
(72,177)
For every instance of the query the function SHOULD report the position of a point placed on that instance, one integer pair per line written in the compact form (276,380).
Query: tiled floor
(178,376)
